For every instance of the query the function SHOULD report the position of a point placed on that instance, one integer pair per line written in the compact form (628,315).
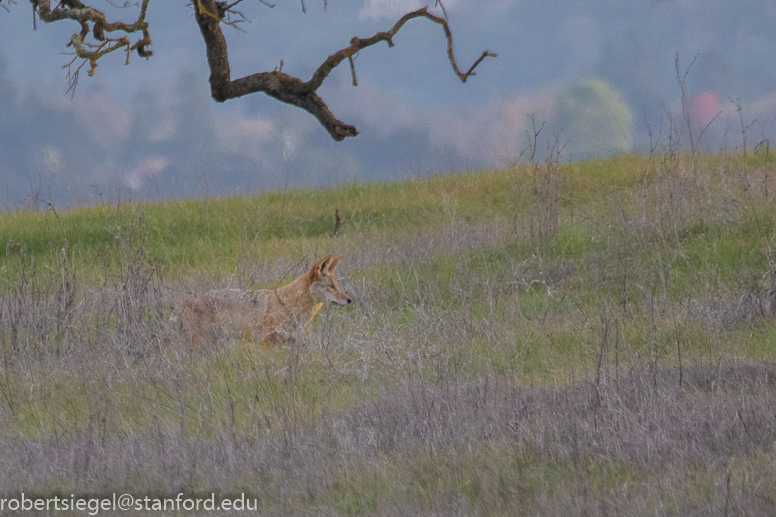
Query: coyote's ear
(320,268)
(334,263)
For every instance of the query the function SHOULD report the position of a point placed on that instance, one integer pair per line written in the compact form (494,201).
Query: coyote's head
(323,284)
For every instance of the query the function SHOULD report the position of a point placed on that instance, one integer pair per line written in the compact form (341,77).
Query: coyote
(264,316)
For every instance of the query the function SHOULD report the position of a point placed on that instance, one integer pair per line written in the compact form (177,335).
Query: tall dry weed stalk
(46,311)
(37,312)
(138,284)
(542,187)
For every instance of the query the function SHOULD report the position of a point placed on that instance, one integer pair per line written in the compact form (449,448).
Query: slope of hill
(552,338)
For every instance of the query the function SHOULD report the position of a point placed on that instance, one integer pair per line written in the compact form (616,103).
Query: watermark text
(126,502)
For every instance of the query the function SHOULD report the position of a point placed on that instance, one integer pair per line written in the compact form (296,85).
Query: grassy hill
(553,338)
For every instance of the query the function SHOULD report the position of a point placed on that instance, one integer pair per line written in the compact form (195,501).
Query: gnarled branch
(84,15)
(292,90)
(210,14)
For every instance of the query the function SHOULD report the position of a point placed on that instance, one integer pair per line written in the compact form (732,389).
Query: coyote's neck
(296,296)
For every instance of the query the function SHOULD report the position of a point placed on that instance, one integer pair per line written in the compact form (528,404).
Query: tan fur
(264,316)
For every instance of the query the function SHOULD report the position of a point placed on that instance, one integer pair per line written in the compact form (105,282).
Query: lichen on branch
(94,22)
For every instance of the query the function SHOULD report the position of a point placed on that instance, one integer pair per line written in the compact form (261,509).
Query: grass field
(584,338)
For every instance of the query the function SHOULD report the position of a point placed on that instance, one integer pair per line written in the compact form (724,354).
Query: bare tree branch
(6,8)
(292,90)
(84,15)
(210,14)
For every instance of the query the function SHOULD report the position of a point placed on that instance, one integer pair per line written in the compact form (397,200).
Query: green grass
(189,234)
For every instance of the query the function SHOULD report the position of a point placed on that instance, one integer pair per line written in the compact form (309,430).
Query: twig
(353,71)
(337,221)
